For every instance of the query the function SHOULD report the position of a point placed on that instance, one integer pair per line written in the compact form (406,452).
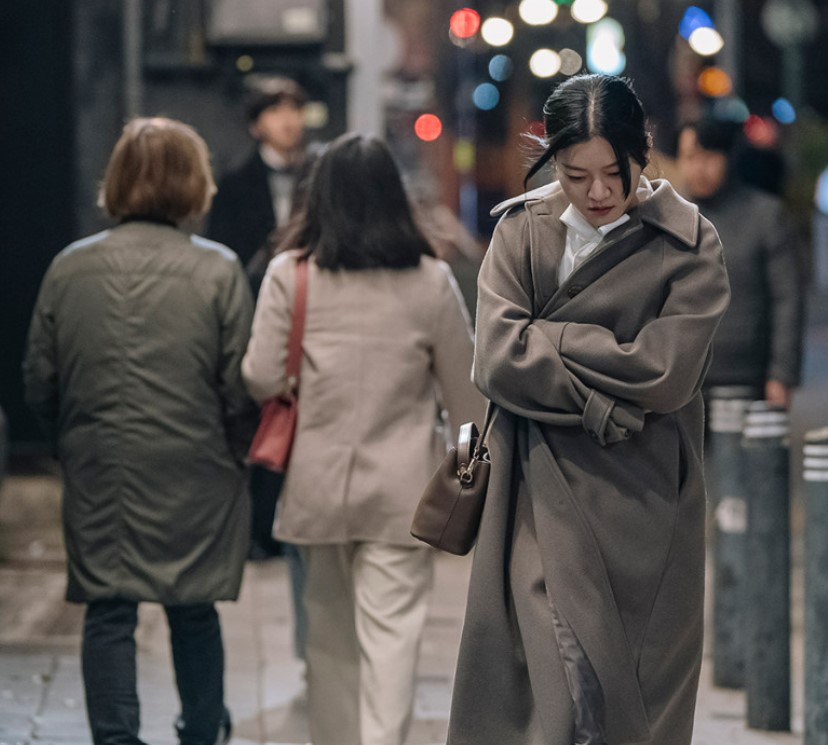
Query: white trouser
(366,606)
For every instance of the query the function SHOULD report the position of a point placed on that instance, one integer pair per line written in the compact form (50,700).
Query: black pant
(265,486)
(110,679)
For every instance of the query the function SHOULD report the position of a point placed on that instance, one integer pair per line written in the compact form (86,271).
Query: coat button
(574,290)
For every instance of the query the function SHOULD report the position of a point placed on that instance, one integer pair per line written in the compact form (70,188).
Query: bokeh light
(715,82)
(544,63)
(821,195)
(497,31)
(694,18)
(760,131)
(428,127)
(783,111)
(706,41)
(571,62)
(464,23)
(605,44)
(731,109)
(538,12)
(486,96)
(500,67)
(589,11)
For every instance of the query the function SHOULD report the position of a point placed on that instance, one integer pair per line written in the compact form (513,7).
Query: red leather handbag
(273,441)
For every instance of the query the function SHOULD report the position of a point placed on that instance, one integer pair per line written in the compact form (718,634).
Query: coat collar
(665,209)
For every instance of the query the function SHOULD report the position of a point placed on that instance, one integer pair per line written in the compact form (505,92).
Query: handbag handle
(471,445)
(297,327)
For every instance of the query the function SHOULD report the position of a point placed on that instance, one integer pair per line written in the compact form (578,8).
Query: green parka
(133,361)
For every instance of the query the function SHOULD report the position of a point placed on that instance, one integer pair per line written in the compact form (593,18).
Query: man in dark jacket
(758,345)
(251,201)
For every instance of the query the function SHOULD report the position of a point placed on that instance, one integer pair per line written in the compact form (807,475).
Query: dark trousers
(110,678)
(265,486)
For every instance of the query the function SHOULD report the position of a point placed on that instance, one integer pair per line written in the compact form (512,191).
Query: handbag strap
(297,326)
(484,435)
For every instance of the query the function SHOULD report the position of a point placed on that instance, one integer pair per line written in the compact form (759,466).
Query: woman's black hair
(357,214)
(587,106)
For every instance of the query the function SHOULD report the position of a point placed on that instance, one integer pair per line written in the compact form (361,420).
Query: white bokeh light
(538,12)
(589,11)
(545,63)
(605,44)
(571,62)
(497,31)
(706,41)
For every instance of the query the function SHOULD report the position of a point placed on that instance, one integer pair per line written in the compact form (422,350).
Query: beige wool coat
(384,352)
(584,616)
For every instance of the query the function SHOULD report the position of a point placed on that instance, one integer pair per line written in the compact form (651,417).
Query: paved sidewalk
(41,698)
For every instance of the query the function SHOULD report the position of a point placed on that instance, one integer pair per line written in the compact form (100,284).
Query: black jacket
(242,215)
(760,336)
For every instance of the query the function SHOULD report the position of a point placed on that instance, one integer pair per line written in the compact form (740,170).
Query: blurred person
(133,361)
(253,202)
(757,349)
(255,198)
(387,341)
(598,299)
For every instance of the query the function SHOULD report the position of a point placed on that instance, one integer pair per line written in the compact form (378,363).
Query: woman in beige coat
(387,347)
(598,300)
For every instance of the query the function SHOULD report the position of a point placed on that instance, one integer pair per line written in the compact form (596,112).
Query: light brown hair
(159,168)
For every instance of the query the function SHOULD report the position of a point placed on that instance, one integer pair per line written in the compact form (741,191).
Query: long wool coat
(584,617)
(134,360)
(384,351)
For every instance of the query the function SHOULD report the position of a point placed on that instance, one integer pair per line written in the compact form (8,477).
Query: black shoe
(264,550)
(225,730)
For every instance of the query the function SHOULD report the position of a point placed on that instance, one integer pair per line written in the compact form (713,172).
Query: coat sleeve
(516,361)
(786,300)
(40,378)
(239,411)
(263,366)
(452,351)
(664,366)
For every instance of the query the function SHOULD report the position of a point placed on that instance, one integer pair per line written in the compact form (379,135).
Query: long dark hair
(587,106)
(357,214)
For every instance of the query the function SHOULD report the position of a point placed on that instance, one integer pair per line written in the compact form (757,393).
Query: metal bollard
(767,585)
(725,476)
(815,475)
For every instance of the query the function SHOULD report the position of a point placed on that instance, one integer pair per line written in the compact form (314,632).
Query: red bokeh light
(464,23)
(761,132)
(428,127)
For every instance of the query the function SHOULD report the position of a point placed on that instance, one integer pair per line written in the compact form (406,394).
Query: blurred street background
(454,88)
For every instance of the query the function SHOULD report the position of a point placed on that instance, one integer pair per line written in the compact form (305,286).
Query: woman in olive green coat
(133,361)
(598,300)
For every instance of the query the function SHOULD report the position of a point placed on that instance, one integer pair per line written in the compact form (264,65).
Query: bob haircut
(159,169)
(357,214)
(588,106)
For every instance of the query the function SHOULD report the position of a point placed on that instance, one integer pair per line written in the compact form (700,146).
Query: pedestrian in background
(598,299)
(387,345)
(133,361)
(757,349)
(252,203)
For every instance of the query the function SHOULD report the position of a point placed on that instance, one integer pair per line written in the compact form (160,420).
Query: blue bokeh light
(732,109)
(486,96)
(500,67)
(783,111)
(693,19)
(821,196)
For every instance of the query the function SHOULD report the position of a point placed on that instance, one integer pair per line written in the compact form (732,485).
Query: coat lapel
(617,246)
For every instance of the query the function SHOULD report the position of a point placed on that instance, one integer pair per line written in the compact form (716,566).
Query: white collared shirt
(281,184)
(582,239)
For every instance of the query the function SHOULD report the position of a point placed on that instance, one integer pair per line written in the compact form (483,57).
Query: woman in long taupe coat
(387,346)
(598,300)
(134,360)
